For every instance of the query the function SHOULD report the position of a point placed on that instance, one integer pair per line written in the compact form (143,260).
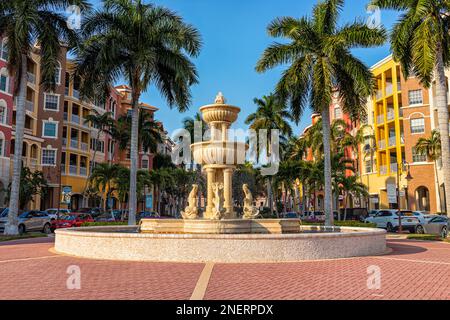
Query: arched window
(3,114)
(422,199)
(4,80)
(4,50)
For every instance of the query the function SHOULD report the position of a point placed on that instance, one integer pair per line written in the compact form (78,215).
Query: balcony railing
(84,123)
(75,119)
(383,169)
(29,105)
(84,146)
(74,144)
(73,170)
(380,119)
(31,78)
(382,144)
(393,167)
(83,171)
(392,141)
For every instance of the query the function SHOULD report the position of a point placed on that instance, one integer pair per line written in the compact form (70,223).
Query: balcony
(383,169)
(380,119)
(75,119)
(31,78)
(63,168)
(66,116)
(393,167)
(389,88)
(399,86)
(83,171)
(84,146)
(64,142)
(29,106)
(76,94)
(74,144)
(378,94)
(392,141)
(390,114)
(66,91)
(382,144)
(73,170)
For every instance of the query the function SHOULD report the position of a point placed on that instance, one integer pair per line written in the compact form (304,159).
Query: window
(98,145)
(113,108)
(415,97)
(4,50)
(144,164)
(3,117)
(48,157)
(368,166)
(2,144)
(418,125)
(417,157)
(58,74)
(4,80)
(50,129)
(337,112)
(51,102)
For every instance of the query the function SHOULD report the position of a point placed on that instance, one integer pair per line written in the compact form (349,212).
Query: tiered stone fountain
(219,235)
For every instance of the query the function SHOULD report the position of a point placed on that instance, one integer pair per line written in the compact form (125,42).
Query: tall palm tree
(431,147)
(145,44)
(351,186)
(24,23)
(420,41)
(318,51)
(270,114)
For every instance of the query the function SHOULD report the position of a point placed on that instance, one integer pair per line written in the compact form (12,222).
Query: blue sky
(234,36)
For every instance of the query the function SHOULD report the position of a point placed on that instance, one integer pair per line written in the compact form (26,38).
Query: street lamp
(408,178)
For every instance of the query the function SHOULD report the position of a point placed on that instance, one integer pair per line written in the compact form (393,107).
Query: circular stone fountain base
(313,242)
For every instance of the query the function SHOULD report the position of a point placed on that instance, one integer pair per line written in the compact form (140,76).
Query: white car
(389,219)
(53,212)
(423,216)
(437,225)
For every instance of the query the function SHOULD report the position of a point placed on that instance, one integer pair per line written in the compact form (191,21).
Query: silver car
(29,221)
(438,225)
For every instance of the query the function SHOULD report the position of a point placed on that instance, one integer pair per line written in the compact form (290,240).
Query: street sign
(391,192)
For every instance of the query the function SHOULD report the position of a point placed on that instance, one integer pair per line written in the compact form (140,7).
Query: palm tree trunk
(328,205)
(134,160)
(438,186)
(442,108)
(11,228)
(345,205)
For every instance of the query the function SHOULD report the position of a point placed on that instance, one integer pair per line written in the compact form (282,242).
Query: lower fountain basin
(311,243)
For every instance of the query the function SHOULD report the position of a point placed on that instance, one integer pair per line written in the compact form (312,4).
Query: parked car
(423,216)
(389,220)
(106,217)
(29,221)
(94,212)
(290,215)
(4,217)
(147,215)
(438,225)
(53,212)
(71,220)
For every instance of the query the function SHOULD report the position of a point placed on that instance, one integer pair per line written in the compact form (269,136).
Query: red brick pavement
(414,270)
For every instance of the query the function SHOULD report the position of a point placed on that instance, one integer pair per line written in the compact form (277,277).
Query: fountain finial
(220,99)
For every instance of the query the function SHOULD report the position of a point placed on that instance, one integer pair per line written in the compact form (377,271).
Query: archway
(422,199)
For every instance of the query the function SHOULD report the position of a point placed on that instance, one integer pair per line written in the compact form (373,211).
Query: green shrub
(355,224)
(429,237)
(99,224)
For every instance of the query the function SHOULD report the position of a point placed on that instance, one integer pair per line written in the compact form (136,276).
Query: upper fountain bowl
(220,113)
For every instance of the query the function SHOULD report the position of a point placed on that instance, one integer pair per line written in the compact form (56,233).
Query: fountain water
(219,235)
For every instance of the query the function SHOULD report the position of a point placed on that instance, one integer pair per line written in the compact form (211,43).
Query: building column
(210,195)
(227,187)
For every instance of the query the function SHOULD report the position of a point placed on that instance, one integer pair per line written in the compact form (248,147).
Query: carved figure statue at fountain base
(250,211)
(191,211)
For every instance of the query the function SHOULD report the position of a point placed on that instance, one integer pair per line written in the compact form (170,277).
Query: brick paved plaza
(413,270)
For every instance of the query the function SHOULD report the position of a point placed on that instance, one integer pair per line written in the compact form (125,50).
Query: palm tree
(189,125)
(420,41)
(103,123)
(24,23)
(318,52)
(270,114)
(431,147)
(102,179)
(146,45)
(351,185)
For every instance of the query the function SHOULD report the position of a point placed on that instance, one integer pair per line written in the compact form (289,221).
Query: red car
(71,220)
